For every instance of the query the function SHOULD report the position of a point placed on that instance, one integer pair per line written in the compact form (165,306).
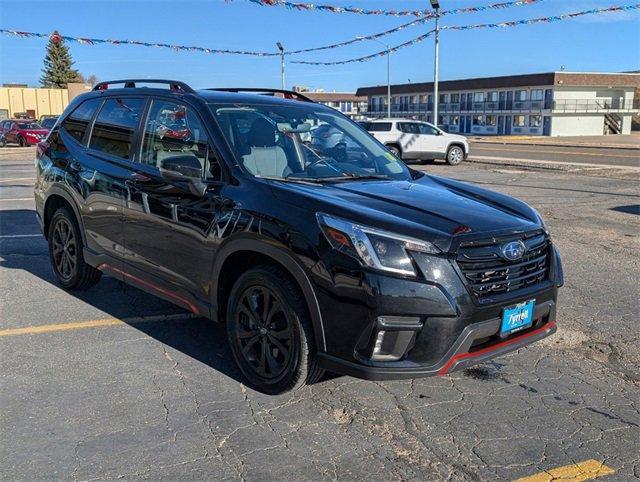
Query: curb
(589,146)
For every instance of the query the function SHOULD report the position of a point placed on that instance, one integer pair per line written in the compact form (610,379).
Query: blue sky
(605,43)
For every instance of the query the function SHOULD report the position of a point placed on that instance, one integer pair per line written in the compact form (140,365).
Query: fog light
(394,336)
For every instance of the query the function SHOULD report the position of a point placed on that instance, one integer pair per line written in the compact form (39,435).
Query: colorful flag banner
(392,13)
(514,23)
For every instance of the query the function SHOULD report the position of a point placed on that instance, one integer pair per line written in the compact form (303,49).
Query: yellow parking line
(79,325)
(586,470)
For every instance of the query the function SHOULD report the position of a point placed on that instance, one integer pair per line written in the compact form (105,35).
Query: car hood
(432,207)
(34,131)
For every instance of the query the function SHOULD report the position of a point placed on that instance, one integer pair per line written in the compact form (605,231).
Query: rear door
(167,228)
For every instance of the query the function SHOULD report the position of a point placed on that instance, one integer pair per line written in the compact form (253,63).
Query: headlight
(542,223)
(375,248)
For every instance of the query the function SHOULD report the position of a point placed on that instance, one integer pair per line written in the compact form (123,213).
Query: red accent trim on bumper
(183,301)
(462,356)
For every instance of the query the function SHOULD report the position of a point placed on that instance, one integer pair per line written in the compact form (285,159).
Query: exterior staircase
(612,123)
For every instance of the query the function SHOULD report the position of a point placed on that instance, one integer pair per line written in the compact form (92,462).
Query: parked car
(48,122)
(413,140)
(356,264)
(23,132)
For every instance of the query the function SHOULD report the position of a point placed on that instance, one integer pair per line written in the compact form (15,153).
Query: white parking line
(521,160)
(10,236)
(18,199)
(19,179)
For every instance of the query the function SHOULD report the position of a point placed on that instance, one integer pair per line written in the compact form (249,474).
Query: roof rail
(288,94)
(174,85)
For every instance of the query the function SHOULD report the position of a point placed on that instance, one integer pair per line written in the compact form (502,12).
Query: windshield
(29,125)
(303,142)
(49,122)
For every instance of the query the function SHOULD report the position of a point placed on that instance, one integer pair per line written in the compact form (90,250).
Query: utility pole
(436,98)
(281,48)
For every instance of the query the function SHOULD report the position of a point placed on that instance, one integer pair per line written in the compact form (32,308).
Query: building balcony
(596,105)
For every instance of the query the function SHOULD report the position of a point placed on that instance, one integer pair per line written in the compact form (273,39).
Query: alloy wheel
(264,332)
(455,155)
(65,252)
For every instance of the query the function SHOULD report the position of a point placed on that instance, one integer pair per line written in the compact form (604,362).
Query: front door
(166,226)
(432,141)
(500,124)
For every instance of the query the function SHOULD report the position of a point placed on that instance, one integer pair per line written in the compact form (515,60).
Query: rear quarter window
(77,122)
(115,125)
(379,127)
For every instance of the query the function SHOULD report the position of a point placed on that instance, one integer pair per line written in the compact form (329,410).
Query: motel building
(348,103)
(547,104)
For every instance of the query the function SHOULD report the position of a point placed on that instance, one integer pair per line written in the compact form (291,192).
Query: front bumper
(455,330)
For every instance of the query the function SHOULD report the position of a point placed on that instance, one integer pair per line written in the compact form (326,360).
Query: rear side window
(77,122)
(115,125)
(379,127)
(408,127)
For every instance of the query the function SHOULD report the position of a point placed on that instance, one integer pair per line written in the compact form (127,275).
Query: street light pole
(436,98)
(281,48)
(386,46)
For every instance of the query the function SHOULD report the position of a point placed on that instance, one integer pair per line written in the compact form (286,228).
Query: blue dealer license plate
(516,318)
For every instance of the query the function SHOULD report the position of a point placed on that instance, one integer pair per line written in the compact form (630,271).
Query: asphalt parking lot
(114,383)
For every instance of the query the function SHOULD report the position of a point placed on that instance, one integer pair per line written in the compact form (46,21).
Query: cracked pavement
(163,400)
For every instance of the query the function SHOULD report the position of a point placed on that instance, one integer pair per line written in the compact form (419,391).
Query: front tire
(65,253)
(22,142)
(455,155)
(270,333)
(395,150)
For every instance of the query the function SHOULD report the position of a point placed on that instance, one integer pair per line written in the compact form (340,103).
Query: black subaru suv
(286,221)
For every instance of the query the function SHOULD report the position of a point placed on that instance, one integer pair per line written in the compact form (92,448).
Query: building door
(546,125)
(510,100)
(501,123)
(507,124)
(468,124)
(548,98)
(469,101)
(463,101)
(502,100)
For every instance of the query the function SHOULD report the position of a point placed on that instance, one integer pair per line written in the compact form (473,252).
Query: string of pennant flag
(514,23)
(56,37)
(391,13)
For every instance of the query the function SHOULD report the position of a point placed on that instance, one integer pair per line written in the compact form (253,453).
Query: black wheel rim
(64,249)
(264,332)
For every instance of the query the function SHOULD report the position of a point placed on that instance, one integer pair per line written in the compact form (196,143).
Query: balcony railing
(510,105)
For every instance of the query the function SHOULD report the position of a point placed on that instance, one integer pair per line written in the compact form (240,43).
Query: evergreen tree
(57,70)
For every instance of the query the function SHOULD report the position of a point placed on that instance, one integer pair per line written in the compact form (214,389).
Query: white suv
(409,139)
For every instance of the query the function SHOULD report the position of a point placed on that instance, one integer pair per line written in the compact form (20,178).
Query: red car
(22,132)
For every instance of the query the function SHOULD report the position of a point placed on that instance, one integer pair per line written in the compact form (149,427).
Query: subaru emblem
(514,250)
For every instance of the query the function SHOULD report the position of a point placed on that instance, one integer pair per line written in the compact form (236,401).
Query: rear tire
(455,155)
(395,150)
(65,253)
(270,332)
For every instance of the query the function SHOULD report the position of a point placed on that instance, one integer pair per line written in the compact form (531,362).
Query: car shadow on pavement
(198,338)
(631,209)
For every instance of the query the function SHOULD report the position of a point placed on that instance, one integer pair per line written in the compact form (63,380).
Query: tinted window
(379,127)
(49,122)
(408,127)
(175,139)
(114,127)
(77,122)
(29,125)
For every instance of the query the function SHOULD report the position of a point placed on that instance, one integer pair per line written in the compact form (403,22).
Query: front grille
(488,273)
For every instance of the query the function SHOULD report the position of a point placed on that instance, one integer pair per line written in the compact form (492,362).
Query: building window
(478,97)
(537,94)
(478,120)
(535,120)
(455,98)
(455,120)
(444,98)
(430,98)
(492,96)
(491,120)
(521,95)
(444,120)
(518,120)
(423,99)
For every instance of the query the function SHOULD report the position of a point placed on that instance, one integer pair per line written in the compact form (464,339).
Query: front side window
(300,141)
(428,130)
(29,125)
(518,120)
(77,122)
(175,139)
(535,120)
(114,127)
